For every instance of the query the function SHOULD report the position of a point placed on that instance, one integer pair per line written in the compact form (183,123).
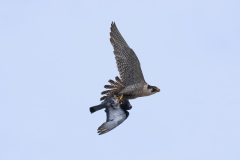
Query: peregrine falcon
(116,113)
(132,84)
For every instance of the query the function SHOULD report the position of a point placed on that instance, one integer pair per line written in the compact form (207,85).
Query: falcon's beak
(157,89)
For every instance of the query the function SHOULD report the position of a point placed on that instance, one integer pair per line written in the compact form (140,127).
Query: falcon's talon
(121,97)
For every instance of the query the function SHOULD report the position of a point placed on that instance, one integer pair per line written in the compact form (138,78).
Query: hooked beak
(157,89)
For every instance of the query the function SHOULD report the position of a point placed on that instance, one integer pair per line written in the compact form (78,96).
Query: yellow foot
(120,99)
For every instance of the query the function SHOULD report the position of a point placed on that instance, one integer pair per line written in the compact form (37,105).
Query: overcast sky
(55,58)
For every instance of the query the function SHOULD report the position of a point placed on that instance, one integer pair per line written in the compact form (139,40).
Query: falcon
(116,113)
(132,83)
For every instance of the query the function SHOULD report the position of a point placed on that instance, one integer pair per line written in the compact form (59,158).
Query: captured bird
(132,84)
(107,103)
(116,113)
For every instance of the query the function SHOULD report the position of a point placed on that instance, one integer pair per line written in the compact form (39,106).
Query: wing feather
(115,116)
(127,62)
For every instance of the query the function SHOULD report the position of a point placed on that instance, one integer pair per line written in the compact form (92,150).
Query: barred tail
(109,87)
(112,83)
(103,98)
(119,81)
(106,92)
(114,88)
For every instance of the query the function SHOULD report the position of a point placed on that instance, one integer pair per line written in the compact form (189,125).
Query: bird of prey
(132,84)
(116,113)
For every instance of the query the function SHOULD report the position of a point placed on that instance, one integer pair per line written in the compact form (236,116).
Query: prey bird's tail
(96,108)
(114,88)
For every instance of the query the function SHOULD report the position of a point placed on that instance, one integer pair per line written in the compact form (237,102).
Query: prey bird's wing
(127,62)
(115,116)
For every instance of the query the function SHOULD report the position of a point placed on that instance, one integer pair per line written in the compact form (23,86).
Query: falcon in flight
(132,84)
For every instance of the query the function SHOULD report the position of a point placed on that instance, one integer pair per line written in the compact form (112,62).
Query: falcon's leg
(120,99)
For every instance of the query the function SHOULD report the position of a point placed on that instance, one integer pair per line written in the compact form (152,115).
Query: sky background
(55,58)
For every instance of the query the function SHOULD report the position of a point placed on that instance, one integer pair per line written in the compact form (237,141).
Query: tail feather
(115,87)
(113,83)
(96,108)
(103,98)
(106,92)
(109,87)
(119,81)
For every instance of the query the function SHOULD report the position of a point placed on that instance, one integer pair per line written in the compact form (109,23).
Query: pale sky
(55,58)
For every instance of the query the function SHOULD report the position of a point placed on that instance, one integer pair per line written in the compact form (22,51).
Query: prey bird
(132,84)
(116,113)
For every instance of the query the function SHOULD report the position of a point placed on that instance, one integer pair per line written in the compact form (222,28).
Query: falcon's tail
(114,88)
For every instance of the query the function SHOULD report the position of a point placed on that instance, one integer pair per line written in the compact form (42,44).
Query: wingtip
(101,132)
(113,24)
(102,129)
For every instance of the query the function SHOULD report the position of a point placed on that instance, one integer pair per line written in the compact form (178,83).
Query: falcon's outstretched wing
(127,62)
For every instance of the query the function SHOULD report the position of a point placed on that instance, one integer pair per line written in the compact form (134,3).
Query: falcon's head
(153,89)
